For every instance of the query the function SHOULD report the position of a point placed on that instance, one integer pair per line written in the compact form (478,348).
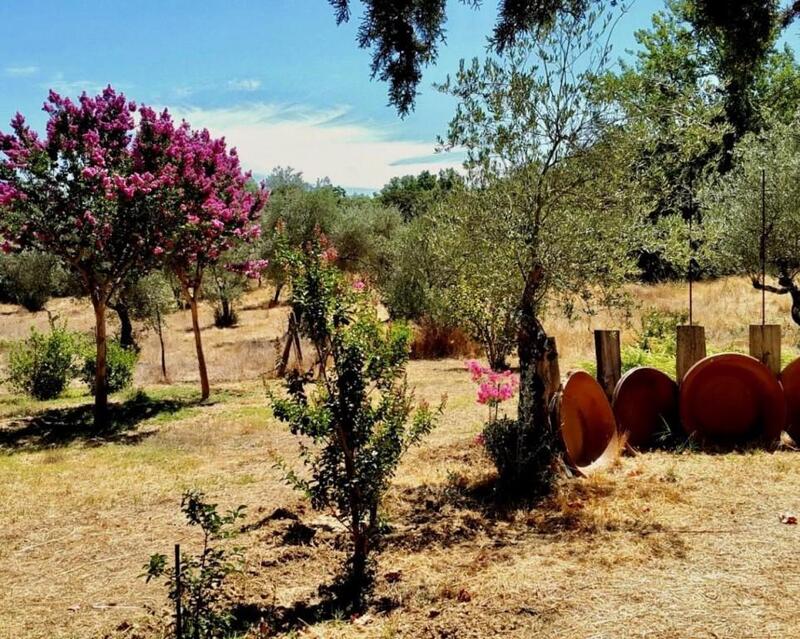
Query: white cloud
(320,143)
(245,84)
(18,72)
(72,88)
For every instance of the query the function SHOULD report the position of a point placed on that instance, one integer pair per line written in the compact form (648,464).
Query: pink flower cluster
(494,387)
(153,191)
(251,269)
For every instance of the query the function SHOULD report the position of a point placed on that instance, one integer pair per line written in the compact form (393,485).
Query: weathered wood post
(765,345)
(549,369)
(609,360)
(690,349)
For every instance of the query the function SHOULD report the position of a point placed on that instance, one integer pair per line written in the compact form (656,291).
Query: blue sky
(278,78)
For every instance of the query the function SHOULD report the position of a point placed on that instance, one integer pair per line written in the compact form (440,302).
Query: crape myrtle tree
(219,207)
(554,176)
(732,206)
(95,193)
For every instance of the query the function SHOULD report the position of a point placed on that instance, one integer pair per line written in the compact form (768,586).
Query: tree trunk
(278,289)
(360,578)
(541,437)
(160,331)
(126,338)
(205,389)
(100,373)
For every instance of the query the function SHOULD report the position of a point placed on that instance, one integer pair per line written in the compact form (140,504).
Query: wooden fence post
(765,345)
(609,360)
(691,348)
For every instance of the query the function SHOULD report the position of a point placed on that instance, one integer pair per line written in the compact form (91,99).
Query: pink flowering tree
(219,208)
(95,191)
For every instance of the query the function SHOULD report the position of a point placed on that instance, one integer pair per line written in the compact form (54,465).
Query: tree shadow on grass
(58,427)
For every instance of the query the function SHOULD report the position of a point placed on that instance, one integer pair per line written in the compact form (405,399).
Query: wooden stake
(549,369)
(765,345)
(691,348)
(609,360)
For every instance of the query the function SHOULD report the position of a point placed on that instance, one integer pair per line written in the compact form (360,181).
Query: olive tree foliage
(476,284)
(671,98)
(405,36)
(732,207)
(551,175)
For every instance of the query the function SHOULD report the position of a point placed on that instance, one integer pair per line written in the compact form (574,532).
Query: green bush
(43,364)
(120,365)
(30,278)
(512,450)
(658,333)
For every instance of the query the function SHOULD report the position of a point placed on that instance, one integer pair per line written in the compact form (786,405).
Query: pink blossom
(359,286)
(494,387)
(330,254)
(158,250)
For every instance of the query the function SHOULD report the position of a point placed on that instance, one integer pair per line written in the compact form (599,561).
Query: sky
(278,78)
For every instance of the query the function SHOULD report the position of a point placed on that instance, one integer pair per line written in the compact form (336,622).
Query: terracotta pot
(790,379)
(645,403)
(587,423)
(731,398)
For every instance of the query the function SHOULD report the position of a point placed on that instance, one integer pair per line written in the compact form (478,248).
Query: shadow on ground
(62,426)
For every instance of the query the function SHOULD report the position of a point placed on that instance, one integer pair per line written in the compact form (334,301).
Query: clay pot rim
(612,450)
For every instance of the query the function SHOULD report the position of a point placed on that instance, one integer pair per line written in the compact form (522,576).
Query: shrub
(512,449)
(432,341)
(30,278)
(203,575)
(510,446)
(658,331)
(42,365)
(120,365)
(361,415)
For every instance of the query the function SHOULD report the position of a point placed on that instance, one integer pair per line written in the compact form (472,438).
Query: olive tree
(741,231)
(551,170)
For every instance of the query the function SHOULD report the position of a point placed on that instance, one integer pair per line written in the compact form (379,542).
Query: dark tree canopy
(405,35)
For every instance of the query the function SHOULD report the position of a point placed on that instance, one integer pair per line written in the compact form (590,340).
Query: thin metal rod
(691,254)
(178,594)
(763,249)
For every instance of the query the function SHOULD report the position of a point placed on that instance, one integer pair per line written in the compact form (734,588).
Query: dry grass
(664,545)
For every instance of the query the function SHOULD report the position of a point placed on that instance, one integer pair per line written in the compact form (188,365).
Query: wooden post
(609,360)
(691,348)
(549,370)
(765,345)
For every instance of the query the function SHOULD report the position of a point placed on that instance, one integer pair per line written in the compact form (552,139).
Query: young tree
(743,233)
(361,416)
(535,140)
(94,193)
(219,207)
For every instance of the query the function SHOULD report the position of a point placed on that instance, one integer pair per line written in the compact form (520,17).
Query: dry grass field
(664,545)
